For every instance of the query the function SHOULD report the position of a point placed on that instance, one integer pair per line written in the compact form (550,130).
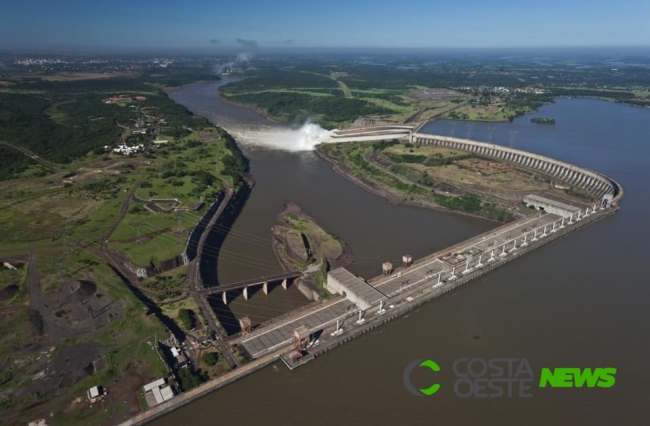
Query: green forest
(64,121)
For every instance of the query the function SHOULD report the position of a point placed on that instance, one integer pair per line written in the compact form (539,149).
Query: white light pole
(503,251)
(562,224)
(479,264)
(453,274)
(525,242)
(491,259)
(544,233)
(338,330)
(535,235)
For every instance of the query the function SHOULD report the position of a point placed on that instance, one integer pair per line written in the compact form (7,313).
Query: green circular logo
(407,377)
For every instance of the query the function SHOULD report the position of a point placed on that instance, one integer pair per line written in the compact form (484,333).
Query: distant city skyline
(212,26)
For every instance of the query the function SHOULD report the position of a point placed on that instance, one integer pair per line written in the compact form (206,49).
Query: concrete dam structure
(357,306)
(597,184)
(602,187)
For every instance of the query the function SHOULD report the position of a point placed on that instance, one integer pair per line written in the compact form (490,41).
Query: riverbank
(249,107)
(173,89)
(392,197)
(320,244)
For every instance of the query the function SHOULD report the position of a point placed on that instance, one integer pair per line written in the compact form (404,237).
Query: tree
(189,379)
(187,318)
(210,358)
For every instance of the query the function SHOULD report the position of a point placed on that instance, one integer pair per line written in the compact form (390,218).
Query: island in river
(539,120)
(299,242)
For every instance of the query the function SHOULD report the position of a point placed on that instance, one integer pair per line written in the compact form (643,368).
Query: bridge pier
(265,288)
(245,293)
(224,298)
(284,283)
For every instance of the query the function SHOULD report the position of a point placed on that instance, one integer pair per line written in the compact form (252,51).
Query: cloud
(214,40)
(289,41)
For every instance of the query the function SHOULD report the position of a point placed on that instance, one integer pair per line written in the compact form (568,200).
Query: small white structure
(9,266)
(126,150)
(550,206)
(96,393)
(157,392)
(156,384)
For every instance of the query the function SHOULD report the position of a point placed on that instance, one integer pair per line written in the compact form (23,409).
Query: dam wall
(597,184)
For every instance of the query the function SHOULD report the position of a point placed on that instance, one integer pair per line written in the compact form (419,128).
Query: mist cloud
(249,49)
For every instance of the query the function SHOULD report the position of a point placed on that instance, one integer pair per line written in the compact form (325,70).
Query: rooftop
(532,198)
(358,286)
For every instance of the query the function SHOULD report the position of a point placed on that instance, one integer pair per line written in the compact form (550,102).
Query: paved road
(195,284)
(123,210)
(30,154)
(433,274)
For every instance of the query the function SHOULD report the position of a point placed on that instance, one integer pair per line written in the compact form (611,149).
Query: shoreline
(173,89)
(344,260)
(255,109)
(390,197)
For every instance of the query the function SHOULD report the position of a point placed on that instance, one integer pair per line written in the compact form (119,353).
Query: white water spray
(294,140)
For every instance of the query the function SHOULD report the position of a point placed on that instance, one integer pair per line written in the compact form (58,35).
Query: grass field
(171,310)
(321,242)
(418,174)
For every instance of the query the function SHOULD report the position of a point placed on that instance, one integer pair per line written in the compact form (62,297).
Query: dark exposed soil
(8,292)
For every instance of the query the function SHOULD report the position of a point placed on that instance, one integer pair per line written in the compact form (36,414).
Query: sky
(217,24)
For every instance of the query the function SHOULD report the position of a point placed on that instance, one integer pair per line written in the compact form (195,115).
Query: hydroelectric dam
(357,306)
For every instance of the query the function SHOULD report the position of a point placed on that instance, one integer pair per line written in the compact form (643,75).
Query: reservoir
(579,302)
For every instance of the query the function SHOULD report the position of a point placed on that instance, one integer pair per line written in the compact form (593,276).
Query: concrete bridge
(263,281)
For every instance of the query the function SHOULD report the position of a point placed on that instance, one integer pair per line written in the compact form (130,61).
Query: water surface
(579,302)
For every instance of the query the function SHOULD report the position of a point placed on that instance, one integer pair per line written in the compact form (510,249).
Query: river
(579,302)
(374,229)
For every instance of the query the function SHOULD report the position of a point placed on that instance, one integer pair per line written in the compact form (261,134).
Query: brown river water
(579,302)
